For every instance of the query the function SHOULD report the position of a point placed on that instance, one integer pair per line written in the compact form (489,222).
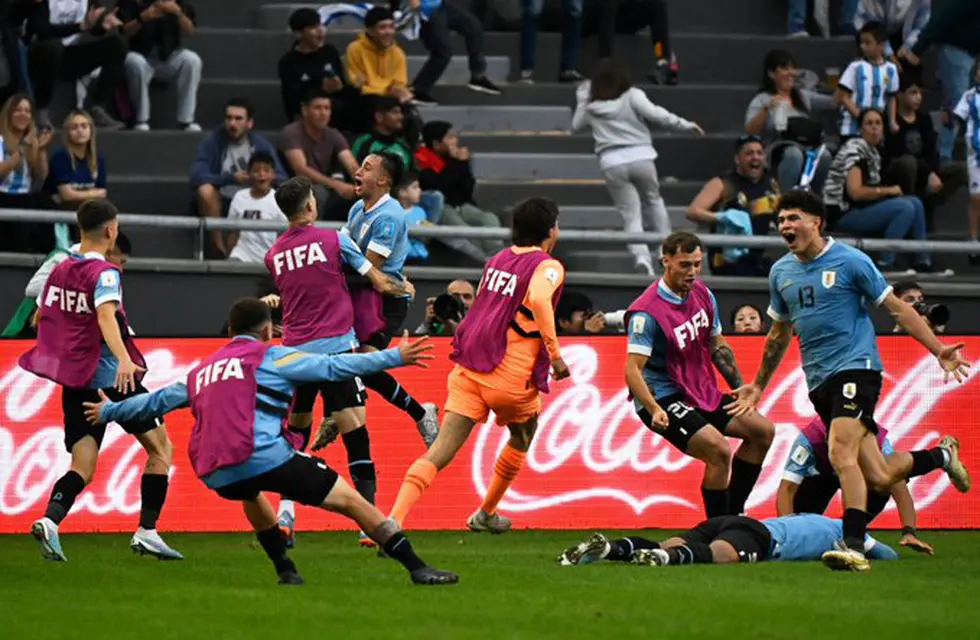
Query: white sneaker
(429,424)
(192,127)
(45,531)
(141,126)
(483,521)
(148,542)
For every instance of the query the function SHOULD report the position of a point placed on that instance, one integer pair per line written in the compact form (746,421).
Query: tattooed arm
(780,335)
(724,359)
(388,285)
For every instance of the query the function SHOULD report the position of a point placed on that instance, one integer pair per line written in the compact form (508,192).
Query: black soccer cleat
(428,575)
(290,578)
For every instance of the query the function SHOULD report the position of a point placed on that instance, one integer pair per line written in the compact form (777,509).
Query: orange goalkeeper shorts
(476,399)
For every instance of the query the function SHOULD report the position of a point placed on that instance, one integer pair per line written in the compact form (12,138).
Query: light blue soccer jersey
(808,536)
(647,338)
(968,110)
(281,370)
(871,86)
(381,229)
(802,460)
(826,300)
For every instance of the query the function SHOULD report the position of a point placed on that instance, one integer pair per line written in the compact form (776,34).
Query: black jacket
(917,139)
(163,34)
(299,73)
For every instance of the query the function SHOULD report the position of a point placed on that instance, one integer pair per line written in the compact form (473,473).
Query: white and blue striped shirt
(968,110)
(18,180)
(871,86)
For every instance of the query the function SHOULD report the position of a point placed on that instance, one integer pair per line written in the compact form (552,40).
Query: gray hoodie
(621,127)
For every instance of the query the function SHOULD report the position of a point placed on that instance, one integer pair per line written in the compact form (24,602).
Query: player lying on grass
(240,447)
(728,540)
(809,482)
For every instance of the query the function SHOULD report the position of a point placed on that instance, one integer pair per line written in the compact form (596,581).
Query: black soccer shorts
(849,394)
(750,538)
(685,420)
(337,396)
(77,427)
(303,479)
(394,311)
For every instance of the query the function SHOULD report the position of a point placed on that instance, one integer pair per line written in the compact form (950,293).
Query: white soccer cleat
(45,531)
(958,474)
(147,542)
(483,521)
(592,550)
(840,558)
(650,557)
(429,424)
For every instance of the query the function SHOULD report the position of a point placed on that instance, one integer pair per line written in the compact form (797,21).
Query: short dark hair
(866,112)
(384,104)
(909,78)
(802,200)
(533,220)
(303,18)
(292,196)
(92,214)
(315,94)
(392,165)
(682,242)
(570,302)
(903,287)
(876,30)
(241,103)
(248,315)
(435,131)
(261,157)
(123,245)
(746,138)
(739,307)
(377,14)
(408,178)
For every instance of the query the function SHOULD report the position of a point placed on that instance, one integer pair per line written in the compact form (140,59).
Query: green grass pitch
(509,588)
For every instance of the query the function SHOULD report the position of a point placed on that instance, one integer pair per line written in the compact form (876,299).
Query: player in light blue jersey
(728,540)
(821,290)
(967,110)
(377,224)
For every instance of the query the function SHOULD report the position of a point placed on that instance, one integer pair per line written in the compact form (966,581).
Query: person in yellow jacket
(375,63)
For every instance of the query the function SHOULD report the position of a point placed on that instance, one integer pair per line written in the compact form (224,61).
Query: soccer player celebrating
(727,540)
(819,290)
(238,447)
(674,339)
(84,344)
(503,349)
(376,222)
(307,266)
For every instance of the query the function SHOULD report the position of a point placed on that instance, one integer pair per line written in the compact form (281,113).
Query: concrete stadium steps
(606,217)
(499,195)
(704,16)
(701,56)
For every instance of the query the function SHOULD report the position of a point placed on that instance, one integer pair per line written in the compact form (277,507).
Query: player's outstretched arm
(388,286)
(141,407)
(917,327)
(297,366)
(724,359)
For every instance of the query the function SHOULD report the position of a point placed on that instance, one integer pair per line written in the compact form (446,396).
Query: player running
(809,482)
(84,344)
(377,224)
(502,349)
(727,540)
(307,265)
(238,447)
(674,339)
(819,290)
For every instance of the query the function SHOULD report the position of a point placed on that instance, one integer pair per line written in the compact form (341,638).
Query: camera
(448,307)
(936,314)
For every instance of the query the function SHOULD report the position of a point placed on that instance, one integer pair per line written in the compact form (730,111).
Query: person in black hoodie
(81,38)
(312,63)
(911,157)
(13,76)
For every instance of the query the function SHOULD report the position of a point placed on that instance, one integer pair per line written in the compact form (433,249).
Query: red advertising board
(592,465)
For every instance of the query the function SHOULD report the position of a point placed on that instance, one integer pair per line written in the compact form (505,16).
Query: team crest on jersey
(849,390)
(829,279)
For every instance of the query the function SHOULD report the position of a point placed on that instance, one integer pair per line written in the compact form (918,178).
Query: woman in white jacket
(620,116)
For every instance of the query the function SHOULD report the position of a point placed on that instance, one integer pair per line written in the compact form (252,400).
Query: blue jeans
(796,20)
(571,34)
(790,168)
(848,11)
(894,218)
(954,76)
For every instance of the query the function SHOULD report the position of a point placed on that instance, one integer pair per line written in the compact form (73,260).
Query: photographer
(444,313)
(575,315)
(910,292)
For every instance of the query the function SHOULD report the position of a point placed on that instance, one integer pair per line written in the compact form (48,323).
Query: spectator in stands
(796,27)
(575,313)
(313,63)
(409,195)
(220,168)
(386,134)
(628,17)
(954,26)
(80,38)
(23,166)
(18,80)
(747,318)
(445,167)
(156,29)
(314,149)
(620,116)
(376,65)
(78,170)
(778,105)
(747,191)
(902,21)
(868,83)
(910,292)
(571,39)
(859,202)
(258,202)
(463,293)
(967,110)
(440,17)
(911,157)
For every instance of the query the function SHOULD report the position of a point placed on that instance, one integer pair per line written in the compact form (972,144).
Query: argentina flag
(407,23)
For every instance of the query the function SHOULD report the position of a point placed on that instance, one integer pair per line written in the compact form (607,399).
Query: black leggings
(628,17)
(49,61)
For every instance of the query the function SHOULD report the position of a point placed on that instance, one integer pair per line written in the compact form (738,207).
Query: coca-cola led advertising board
(592,464)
